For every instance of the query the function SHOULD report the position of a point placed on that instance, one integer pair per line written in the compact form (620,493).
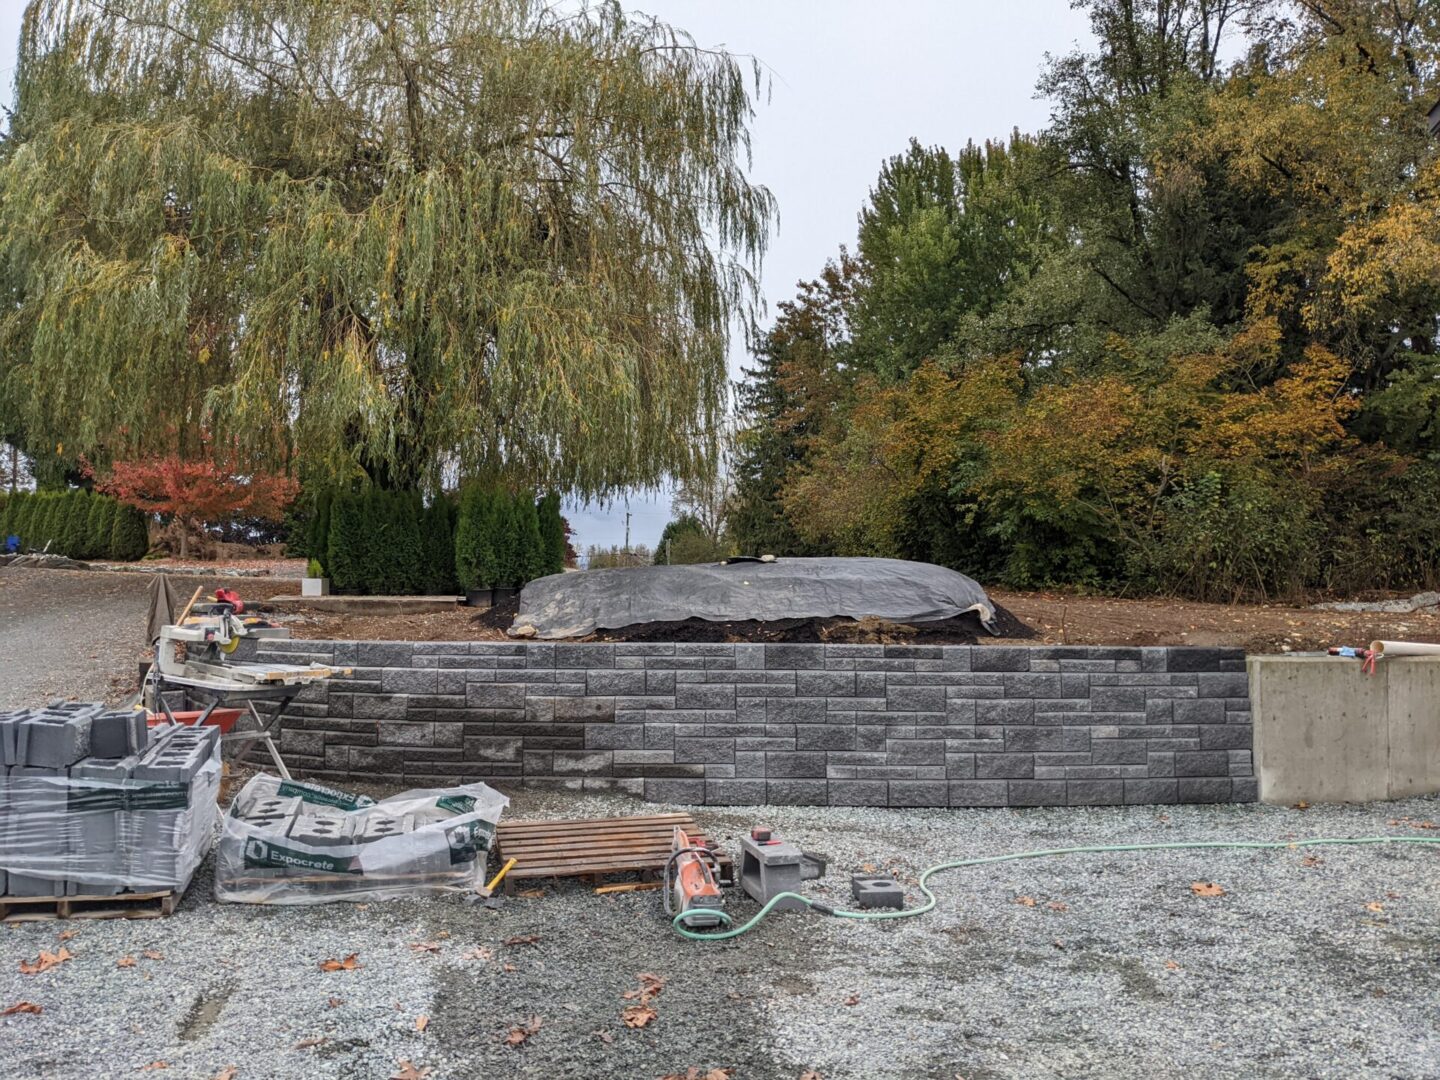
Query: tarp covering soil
(788,590)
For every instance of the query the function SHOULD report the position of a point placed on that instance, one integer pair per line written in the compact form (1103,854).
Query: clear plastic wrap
(101,827)
(290,842)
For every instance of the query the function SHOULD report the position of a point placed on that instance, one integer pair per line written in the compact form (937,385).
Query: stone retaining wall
(872,725)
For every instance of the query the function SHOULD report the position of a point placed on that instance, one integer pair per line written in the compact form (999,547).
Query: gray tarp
(576,604)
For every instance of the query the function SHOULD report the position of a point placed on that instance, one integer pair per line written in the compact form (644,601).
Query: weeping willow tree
(507,237)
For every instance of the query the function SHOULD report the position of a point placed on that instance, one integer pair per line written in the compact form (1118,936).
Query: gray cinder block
(382,826)
(322,830)
(57,739)
(110,734)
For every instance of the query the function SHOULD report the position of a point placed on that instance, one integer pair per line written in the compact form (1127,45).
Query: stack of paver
(95,803)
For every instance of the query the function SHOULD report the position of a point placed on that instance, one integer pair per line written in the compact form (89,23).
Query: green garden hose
(930,898)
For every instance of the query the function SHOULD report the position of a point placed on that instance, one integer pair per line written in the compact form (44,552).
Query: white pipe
(1404,648)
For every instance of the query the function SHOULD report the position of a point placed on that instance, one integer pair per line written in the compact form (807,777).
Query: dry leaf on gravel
(478,953)
(1025,901)
(227,1073)
(66,935)
(1058,905)
(350,963)
(406,1070)
(1206,888)
(811,1074)
(1301,805)
(125,961)
(1312,860)
(1171,965)
(21,1007)
(853,999)
(425,946)
(306,1044)
(694,1073)
(155,1065)
(1375,906)
(520,1033)
(335,1003)
(523,939)
(604,1036)
(421,1023)
(637,1016)
(508,968)
(650,987)
(44,962)
(153,954)
(531,894)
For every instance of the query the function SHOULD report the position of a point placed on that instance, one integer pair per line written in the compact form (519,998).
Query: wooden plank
(590,848)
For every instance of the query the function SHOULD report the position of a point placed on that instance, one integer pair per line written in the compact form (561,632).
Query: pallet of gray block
(137,813)
(290,842)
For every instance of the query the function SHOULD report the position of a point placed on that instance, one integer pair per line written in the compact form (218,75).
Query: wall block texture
(848,725)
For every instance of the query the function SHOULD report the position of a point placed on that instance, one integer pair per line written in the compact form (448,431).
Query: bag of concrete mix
(292,842)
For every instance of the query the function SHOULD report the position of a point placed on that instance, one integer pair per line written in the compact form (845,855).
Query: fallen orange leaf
(425,946)
(527,939)
(1025,901)
(1057,905)
(520,1033)
(153,954)
(335,1003)
(125,961)
(1206,888)
(21,1007)
(853,999)
(637,1016)
(1375,906)
(421,1023)
(1171,965)
(350,963)
(480,952)
(227,1073)
(44,962)
(408,1071)
(66,935)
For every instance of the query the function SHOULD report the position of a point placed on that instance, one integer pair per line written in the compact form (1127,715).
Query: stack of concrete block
(93,802)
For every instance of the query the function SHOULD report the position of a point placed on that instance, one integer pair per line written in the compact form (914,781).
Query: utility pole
(627,536)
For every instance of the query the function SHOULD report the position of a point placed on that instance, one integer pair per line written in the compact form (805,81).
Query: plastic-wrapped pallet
(81,825)
(289,842)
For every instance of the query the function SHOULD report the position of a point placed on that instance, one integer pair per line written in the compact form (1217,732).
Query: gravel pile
(1092,965)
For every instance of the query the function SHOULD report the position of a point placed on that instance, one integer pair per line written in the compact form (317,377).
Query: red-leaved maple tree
(195,492)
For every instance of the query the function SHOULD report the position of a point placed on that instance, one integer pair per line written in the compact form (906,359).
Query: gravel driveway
(1080,966)
(78,634)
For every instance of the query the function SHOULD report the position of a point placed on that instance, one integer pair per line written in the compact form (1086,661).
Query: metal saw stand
(216,694)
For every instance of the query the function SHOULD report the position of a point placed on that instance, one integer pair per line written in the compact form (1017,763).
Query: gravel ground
(1326,967)
(78,633)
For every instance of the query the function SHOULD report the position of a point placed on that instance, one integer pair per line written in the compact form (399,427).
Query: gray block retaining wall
(861,725)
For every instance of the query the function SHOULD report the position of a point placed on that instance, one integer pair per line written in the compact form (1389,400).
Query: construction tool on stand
(691,893)
(192,655)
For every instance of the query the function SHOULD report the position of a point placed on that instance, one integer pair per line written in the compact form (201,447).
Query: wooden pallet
(145,905)
(594,847)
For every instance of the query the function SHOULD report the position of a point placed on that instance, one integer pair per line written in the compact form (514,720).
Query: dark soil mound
(962,630)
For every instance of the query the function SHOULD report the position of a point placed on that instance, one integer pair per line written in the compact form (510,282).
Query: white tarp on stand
(573,605)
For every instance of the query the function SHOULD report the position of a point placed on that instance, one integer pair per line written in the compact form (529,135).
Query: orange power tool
(690,882)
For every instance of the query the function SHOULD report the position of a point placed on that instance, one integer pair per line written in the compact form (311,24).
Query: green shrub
(475,538)
(437,538)
(98,525)
(552,534)
(345,552)
(129,535)
(317,537)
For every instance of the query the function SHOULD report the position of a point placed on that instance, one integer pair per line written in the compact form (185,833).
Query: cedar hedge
(77,523)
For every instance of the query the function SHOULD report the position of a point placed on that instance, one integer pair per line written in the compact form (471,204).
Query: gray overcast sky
(851,82)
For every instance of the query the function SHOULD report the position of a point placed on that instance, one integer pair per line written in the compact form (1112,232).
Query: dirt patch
(1050,618)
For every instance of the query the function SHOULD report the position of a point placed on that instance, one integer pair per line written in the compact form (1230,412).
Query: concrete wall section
(870,725)
(1327,732)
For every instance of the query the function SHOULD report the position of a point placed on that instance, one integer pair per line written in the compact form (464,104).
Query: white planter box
(315,586)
